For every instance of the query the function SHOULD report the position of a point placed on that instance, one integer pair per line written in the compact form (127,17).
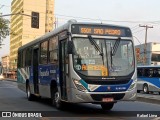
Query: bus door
(35,70)
(63,70)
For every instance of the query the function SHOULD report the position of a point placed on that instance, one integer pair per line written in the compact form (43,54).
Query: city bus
(1,73)
(80,62)
(148,78)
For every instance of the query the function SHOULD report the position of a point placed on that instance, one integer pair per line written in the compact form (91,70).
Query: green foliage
(4,28)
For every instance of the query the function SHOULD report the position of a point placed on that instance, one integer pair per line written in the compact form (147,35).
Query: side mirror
(69,47)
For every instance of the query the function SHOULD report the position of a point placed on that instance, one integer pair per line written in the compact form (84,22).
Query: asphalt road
(13,99)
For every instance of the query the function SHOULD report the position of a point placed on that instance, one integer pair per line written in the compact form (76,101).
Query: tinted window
(24,58)
(156,72)
(53,46)
(155,57)
(43,52)
(139,72)
(29,56)
(19,59)
(148,72)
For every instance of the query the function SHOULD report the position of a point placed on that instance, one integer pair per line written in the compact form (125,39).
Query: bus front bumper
(77,96)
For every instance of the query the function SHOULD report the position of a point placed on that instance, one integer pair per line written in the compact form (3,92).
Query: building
(149,57)
(5,65)
(31,19)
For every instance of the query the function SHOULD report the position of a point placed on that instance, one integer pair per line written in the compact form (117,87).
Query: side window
(156,72)
(53,50)
(148,72)
(139,72)
(23,58)
(43,52)
(29,56)
(19,59)
(155,57)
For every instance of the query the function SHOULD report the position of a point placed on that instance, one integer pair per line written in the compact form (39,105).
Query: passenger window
(43,52)
(23,58)
(139,72)
(156,73)
(53,50)
(148,73)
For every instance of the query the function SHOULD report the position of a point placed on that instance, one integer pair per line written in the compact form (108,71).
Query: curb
(154,99)
(12,80)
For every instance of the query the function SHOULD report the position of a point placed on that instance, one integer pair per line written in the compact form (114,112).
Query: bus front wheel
(30,96)
(56,99)
(145,89)
(107,106)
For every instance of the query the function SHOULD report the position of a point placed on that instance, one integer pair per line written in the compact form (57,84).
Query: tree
(4,28)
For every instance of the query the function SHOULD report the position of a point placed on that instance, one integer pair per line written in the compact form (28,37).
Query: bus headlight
(133,85)
(79,85)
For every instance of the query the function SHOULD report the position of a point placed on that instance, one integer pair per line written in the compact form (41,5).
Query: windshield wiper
(115,47)
(97,48)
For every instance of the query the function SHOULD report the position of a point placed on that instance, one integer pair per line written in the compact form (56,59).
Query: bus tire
(107,106)
(30,96)
(145,89)
(56,99)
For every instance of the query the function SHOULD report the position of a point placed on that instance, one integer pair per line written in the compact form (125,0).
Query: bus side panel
(140,83)
(22,75)
(31,80)
(153,83)
(47,73)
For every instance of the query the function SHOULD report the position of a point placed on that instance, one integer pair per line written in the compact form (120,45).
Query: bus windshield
(0,70)
(89,61)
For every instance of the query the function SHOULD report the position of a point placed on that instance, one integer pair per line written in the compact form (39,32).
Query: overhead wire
(67,17)
(93,19)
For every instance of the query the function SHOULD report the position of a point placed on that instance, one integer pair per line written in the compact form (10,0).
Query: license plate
(107,99)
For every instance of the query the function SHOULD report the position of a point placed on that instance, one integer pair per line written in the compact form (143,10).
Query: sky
(131,13)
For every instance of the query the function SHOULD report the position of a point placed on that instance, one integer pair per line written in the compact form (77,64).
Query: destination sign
(101,30)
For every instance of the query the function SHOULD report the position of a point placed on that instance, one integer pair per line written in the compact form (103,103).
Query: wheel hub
(56,97)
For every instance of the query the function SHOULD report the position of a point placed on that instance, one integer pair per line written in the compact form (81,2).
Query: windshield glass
(90,62)
(155,57)
(0,70)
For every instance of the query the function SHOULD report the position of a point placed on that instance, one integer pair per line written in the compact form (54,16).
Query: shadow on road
(83,110)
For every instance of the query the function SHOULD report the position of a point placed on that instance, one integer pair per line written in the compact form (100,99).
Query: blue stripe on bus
(46,73)
(84,84)
(108,88)
(154,81)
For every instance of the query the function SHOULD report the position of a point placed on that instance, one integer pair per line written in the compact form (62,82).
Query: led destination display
(101,30)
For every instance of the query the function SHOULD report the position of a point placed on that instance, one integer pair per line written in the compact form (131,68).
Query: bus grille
(99,97)
(107,82)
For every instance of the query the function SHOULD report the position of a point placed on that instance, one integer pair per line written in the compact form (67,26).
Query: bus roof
(148,66)
(61,28)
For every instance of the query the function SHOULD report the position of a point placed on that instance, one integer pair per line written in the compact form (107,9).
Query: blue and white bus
(1,72)
(148,78)
(80,63)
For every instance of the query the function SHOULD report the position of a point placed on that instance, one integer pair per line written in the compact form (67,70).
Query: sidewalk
(149,98)
(9,79)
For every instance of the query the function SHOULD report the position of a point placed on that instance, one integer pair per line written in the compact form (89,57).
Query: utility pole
(145,44)
(55,23)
